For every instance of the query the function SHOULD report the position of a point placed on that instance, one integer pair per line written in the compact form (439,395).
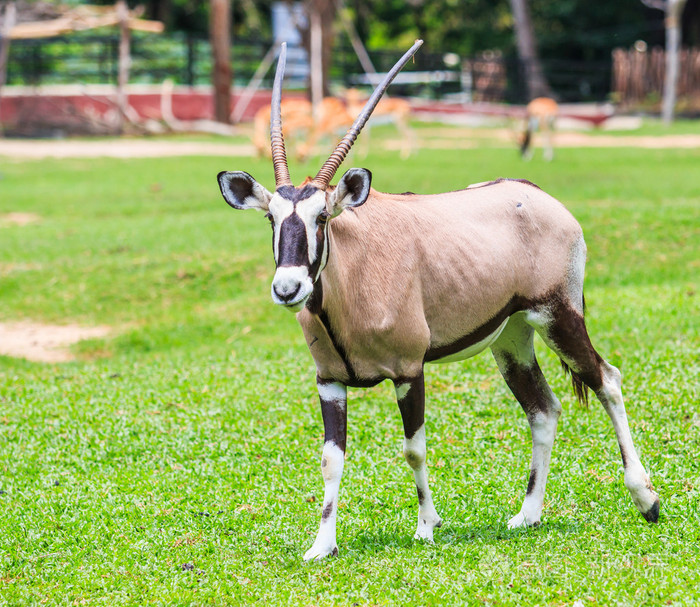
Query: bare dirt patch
(439,137)
(18,219)
(44,343)
(118,148)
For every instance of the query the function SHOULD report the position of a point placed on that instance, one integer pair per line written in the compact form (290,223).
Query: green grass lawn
(177,462)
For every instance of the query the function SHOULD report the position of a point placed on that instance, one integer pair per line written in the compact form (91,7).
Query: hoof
(425,528)
(652,515)
(316,553)
(519,521)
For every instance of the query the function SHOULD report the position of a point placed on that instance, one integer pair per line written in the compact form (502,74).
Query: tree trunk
(527,51)
(220,38)
(124,63)
(674,10)
(320,12)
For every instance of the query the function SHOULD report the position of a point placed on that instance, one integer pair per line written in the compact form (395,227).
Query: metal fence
(90,59)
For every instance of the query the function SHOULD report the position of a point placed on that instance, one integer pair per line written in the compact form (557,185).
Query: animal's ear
(352,191)
(241,191)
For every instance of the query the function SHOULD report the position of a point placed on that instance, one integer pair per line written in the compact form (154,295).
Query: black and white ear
(241,191)
(352,191)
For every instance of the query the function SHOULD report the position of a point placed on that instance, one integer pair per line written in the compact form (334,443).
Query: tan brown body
(297,121)
(396,111)
(393,297)
(540,115)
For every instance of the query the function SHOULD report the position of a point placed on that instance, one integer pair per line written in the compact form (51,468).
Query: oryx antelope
(384,283)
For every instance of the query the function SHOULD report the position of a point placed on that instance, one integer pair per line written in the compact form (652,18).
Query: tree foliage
(566,29)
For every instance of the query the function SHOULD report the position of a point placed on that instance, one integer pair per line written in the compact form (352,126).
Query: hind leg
(515,355)
(563,329)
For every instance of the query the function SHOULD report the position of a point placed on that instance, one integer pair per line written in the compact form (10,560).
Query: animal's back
(469,253)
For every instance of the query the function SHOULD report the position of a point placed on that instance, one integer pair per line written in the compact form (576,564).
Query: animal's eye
(323,218)
(269,217)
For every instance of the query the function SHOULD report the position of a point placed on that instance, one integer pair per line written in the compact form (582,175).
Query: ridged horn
(279,155)
(327,171)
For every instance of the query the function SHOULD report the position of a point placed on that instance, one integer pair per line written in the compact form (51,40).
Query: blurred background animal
(541,115)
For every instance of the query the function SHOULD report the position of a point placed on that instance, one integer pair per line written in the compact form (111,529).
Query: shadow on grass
(376,541)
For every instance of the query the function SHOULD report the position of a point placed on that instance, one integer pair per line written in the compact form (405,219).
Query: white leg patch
(637,480)
(414,451)
(333,392)
(543,428)
(332,464)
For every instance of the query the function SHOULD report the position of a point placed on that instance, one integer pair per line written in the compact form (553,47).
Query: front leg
(333,397)
(411,398)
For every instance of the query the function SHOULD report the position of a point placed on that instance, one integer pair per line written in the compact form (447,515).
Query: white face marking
(291,279)
(308,211)
(335,392)
(280,208)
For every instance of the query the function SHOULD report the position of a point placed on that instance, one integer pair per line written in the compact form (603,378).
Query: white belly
(474,349)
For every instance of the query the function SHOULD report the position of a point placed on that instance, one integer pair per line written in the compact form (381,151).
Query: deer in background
(332,115)
(382,284)
(297,117)
(396,111)
(540,114)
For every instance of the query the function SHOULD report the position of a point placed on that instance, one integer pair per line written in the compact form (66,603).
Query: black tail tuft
(580,389)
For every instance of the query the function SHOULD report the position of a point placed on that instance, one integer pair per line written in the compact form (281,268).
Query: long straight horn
(279,156)
(325,174)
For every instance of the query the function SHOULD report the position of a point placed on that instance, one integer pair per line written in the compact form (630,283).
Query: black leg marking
(526,382)
(327,511)
(412,405)
(531,481)
(335,419)
(515,355)
(410,395)
(569,338)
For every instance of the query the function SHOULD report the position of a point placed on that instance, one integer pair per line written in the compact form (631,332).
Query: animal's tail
(580,389)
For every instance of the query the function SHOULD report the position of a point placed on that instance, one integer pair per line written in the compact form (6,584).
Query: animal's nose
(287,291)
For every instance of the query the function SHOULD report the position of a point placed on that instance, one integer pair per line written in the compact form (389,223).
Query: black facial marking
(293,245)
(531,481)
(295,195)
(321,243)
